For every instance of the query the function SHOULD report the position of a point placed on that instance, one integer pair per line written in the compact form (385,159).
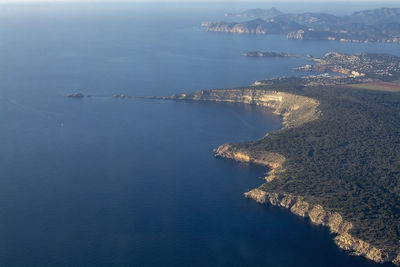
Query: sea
(107,181)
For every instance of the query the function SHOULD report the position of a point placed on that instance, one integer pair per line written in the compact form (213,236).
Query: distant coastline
(268,54)
(378,25)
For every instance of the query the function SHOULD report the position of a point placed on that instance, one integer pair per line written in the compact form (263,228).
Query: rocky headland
(323,164)
(333,220)
(294,109)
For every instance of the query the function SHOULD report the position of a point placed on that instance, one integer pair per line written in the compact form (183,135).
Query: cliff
(297,111)
(319,216)
(323,165)
(272,160)
(294,109)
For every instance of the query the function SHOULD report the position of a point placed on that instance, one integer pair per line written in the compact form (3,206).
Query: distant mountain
(312,19)
(256,13)
(257,26)
(378,25)
(377,15)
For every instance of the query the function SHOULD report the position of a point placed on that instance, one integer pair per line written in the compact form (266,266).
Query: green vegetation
(378,25)
(348,160)
(380,67)
(390,87)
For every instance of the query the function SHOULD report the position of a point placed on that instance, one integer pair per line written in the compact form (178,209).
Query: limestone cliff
(295,110)
(297,205)
(273,160)
(319,216)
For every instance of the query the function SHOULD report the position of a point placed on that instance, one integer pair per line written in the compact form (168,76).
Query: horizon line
(193,1)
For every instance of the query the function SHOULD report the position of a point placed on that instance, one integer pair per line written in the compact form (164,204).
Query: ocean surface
(102,181)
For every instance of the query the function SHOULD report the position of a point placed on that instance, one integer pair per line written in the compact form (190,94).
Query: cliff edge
(333,220)
(294,109)
(321,171)
(272,160)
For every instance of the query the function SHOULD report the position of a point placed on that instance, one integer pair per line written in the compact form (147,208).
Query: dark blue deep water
(102,181)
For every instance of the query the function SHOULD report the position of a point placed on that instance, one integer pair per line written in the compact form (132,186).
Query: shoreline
(295,111)
(317,214)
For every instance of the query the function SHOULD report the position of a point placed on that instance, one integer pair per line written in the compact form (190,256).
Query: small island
(76,95)
(267,54)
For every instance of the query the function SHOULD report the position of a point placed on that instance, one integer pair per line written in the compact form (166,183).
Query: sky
(263,1)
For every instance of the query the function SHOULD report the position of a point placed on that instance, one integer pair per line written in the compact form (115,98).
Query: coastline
(333,220)
(295,110)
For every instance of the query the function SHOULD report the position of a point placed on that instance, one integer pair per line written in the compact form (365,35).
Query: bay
(102,181)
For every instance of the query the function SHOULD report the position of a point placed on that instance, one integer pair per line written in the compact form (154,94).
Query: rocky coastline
(295,110)
(316,213)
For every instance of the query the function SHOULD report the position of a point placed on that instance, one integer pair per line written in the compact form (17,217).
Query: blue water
(132,182)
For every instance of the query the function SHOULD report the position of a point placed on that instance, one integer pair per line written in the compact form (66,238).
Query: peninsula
(337,159)
(378,25)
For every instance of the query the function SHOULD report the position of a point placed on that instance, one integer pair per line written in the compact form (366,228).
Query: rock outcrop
(319,216)
(294,109)
(273,160)
(297,205)
(257,26)
(299,35)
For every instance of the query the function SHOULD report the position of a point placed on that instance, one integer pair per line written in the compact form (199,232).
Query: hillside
(378,25)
